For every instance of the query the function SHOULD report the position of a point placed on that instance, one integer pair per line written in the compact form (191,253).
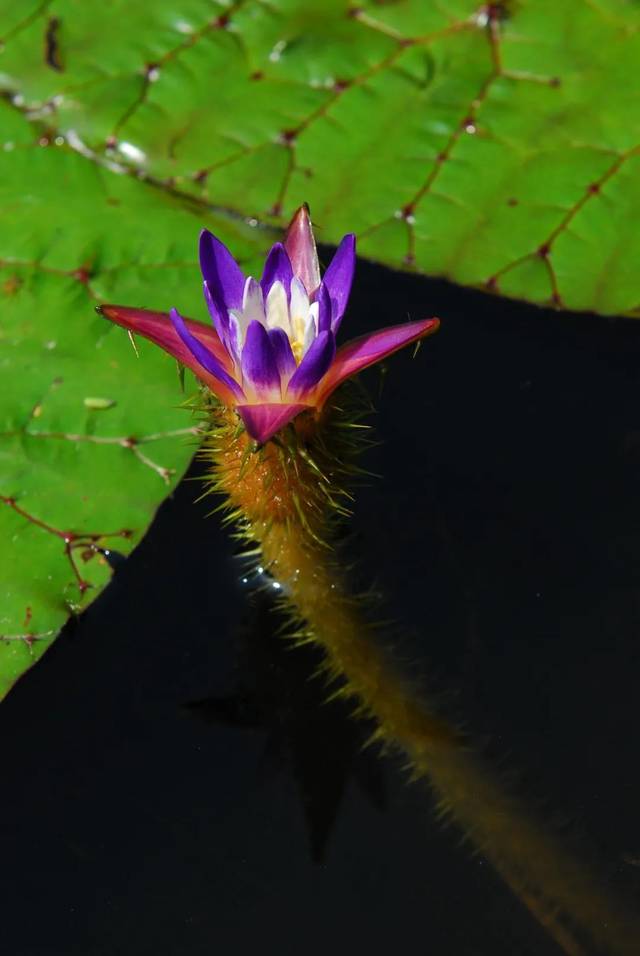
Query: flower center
(294,315)
(297,336)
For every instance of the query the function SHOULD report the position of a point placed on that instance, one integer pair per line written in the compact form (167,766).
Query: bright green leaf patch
(482,142)
(92,438)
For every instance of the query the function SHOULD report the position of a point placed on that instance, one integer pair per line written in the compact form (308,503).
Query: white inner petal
(238,324)
(299,319)
(299,300)
(310,332)
(239,319)
(277,308)
(252,301)
(314,311)
(304,320)
(237,331)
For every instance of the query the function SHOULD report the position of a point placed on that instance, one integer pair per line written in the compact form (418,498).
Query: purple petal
(324,308)
(301,247)
(220,320)
(339,276)
(234,338)
(282,350)
(277,268)
(205,357)
(221,272)
(263,421)
(314,365)
(367,349)
(259,364)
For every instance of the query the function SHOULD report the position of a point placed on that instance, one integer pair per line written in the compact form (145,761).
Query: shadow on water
(505,535)
(312,738)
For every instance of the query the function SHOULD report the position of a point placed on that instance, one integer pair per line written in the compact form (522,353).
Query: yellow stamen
(297,337)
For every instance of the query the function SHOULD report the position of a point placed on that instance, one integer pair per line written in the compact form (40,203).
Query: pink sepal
(158,328)
(368,349)
(263,421)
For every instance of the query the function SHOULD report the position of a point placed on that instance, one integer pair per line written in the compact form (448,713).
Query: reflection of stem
(279,496)
(551,884)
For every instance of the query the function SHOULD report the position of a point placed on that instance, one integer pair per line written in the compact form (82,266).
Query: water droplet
(276,52)
(132,152)
(99,404)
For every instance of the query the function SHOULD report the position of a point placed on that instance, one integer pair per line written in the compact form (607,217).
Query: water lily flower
(271,349)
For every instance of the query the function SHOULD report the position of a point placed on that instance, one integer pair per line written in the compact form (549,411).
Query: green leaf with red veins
(494,144)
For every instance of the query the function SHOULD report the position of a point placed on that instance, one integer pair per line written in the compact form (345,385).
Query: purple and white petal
(324,308)
(259,363)
(277,268)
(221,273)
(339,276)
(205,357)
(253,301)
(220,321)
(235,335)
(314,365)
(240,319)
(282,350)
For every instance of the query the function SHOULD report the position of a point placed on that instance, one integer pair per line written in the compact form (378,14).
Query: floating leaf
(82,475)
(496,144)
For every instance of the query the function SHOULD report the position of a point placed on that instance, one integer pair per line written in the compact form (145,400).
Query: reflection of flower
(271,353)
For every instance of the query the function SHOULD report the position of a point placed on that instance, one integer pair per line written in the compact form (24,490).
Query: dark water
(505,535)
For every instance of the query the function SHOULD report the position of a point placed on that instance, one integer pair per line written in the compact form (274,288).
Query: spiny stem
(280,496)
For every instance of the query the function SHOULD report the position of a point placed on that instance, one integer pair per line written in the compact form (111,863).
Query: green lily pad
(494,144)
(92,438)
